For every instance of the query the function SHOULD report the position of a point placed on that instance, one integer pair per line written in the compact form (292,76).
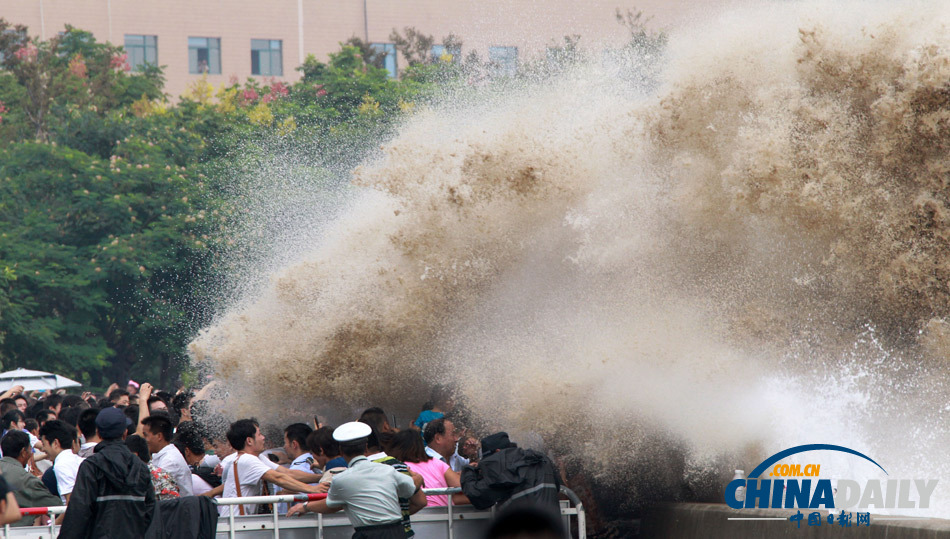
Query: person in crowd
(132,412)
(246,474)
(369,492)
(319,457)
(158,434)
(119,398)
(441,440)
(277,454)
(70,416)
(58,439)
(191,444)
(87,427)
(12,420)
(31,427)
(298,457)
(74,401)
(22,403)
(45,415)
(295,445)
(181,403)
(329,449)
(54,403)
(132,387)
(375,453)
(156,404)
(164,485)
(9,508)
(166,398)
(6,406)
(508,473)
(376,418)
(221,447)
(408,447)
(27,488)
(113,495)
(441,403)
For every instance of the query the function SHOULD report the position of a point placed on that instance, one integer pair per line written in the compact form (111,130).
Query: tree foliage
(114,201)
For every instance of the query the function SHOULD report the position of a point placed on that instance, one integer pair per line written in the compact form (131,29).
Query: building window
(204,55)
(266,57)
(388,52)
(504,59)
(439,50)
(142,51)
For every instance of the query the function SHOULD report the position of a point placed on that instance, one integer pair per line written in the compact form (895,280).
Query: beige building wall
(530,25)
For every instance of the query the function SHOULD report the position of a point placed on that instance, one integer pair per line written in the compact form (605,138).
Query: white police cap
(351,432)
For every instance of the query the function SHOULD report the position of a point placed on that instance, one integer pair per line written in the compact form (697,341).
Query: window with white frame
(141,50)
(388,51)
(204,55)
(267,57)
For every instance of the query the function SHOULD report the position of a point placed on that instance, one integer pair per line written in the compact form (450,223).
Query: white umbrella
(33,380)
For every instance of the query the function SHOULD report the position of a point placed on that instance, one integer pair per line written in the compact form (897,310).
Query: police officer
(368,491)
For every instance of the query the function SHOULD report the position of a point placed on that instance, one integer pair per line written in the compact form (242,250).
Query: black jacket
(513,474)
(191,517)
(113,495)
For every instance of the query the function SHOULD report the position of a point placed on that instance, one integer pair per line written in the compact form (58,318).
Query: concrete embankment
(711,521)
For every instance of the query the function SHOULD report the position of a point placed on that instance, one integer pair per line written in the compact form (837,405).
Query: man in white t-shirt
(58,437)
(245,473)
(158,434)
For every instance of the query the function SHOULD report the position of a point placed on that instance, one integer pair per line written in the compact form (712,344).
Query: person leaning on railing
(244,473)
(509,474)
(369,492)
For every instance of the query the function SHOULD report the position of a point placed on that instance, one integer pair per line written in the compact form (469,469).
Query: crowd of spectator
(122,453)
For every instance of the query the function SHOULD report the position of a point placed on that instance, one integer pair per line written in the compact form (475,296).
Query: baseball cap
(112,422)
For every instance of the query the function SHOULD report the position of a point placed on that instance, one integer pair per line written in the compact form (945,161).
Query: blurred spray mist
(754,255)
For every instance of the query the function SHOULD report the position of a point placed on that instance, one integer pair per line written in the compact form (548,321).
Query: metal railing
(235,525)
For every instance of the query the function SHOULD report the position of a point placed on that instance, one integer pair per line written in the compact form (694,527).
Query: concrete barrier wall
(711,521)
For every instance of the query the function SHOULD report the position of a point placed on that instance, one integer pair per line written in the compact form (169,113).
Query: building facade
(241,38)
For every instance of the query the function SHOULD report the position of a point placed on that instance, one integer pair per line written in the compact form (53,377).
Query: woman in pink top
(408,447)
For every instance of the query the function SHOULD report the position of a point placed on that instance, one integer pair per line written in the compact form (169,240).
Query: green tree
(69,72)
(105,255)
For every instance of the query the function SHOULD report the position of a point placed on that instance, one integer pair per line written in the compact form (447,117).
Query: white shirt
(86,449)
(170,460)
(251,471)
(456,461)
(65,468)
(270,464)
(199,485)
